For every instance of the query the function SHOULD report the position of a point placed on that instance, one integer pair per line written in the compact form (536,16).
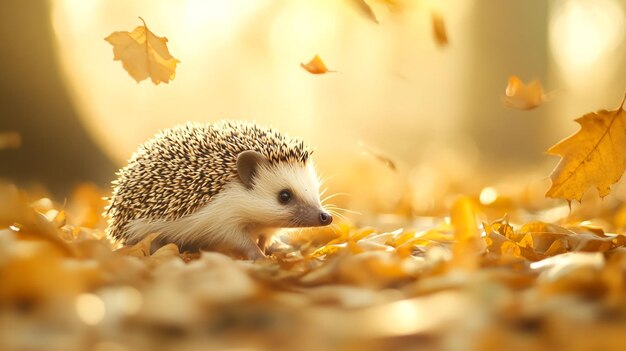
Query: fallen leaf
(143,54)
(34,271)
(316,66)
(10,140)
(60,219)
(140,249)
(365,9)
(468,245)
(578,273)
(522,96)
(16,212)
(593,156)
(439,29)
(86,206)
(371,269)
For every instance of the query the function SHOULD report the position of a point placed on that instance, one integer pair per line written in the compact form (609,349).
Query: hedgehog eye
(284,196)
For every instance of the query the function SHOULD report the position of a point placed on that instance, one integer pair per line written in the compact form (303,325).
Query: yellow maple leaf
(522,96)
(316,66)
(593,156)
(143,54)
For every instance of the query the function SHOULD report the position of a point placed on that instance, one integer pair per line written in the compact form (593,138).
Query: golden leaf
(464,220)
(468,245)
(60,219)
(501,247)
(316,66)
(365,9)
(593,156)
(143,54)
(140,249)
(439,29)
(522,96)
(16,212)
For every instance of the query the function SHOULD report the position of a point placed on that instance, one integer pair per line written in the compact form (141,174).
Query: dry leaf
(593,156)
(522,96)
(60,219)
(316,66)
(386,160)
(86,206)
(16,212)
(468,245)
(439,29)
(365,9)
(143,54)
(375,284)
(10,140)
(140,249)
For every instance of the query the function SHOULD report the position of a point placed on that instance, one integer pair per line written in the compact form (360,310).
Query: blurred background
(435,111)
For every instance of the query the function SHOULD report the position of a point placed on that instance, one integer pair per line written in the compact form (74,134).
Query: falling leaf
(316,66)
(439,29)
(365,9)
(10,140)
(522,96)
(384,159)
(593,156)
(143,54)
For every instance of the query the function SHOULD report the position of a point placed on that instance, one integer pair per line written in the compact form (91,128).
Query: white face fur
(284,195)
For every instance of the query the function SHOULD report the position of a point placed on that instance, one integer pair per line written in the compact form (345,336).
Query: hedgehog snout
(311,216)
(325,218)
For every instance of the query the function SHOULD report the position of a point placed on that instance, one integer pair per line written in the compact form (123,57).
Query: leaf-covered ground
(450,283)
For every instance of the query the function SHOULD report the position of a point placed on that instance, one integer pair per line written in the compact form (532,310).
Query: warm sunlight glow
(583,31)
(488,196)
(415,315)
(241,60)
(90,308)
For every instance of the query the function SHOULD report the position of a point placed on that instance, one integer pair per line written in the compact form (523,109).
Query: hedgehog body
(228,186)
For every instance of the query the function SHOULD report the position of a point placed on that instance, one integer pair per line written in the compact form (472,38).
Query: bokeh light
(90,308)
(583,31)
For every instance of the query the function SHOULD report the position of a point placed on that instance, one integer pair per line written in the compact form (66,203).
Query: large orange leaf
(593,156)
(143,54)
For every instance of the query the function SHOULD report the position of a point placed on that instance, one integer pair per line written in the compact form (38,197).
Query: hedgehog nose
(325,218)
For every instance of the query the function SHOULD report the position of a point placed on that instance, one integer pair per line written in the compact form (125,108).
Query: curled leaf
(316,66)
(522,96)
(439,29)
(143,54)
(365,9)
(140,249)
(468,244)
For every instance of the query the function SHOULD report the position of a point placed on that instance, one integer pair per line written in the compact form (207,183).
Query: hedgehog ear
(247,164)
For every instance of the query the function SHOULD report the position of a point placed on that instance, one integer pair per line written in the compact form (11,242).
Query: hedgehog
(227,186)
